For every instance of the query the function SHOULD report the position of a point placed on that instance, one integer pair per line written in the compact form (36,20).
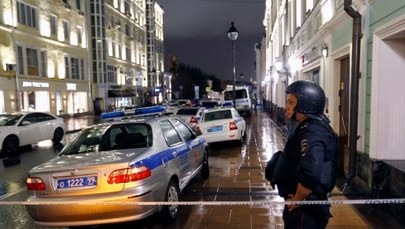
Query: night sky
(196,32)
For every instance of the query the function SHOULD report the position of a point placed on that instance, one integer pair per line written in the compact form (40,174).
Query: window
(79,34)
(67,75)
(128,77)
(111,74)
(113,48)
(74,63)
(43,63)
(32,62)
(66,30)
(20,59)
(74,68)
(54,25)
(170,134)
(27,15)
(127,30)
(184,131)
(78,6)
(82,68)
(128,54)
(127,7)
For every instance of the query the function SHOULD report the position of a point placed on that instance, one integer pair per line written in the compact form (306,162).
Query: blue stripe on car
(166,155)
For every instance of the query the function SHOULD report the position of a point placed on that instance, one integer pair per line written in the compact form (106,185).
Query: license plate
(215,129)
(77,182)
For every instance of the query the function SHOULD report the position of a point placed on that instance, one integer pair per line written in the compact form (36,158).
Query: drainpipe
(355,72)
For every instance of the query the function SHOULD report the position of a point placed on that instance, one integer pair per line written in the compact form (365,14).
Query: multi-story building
(74,56)
(43,51)
(354,50)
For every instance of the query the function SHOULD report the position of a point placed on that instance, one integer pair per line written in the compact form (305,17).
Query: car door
(29,128)
(47,125)
(195,149)
(178,151)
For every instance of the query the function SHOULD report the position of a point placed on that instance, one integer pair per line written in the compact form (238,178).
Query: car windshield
(217,115)
(114,137)
(187,111)
(9,119)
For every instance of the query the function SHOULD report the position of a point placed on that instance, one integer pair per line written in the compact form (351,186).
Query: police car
(141,159)
(221,124)
(190,115)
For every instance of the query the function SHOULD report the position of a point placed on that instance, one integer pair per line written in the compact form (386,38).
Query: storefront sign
(34,84)
(71,86)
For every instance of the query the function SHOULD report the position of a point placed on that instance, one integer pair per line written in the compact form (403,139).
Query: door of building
(344,94)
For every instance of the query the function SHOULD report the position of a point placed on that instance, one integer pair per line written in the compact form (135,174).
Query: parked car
(134,160)
(210,103)
(190,115)
(184,102)
(171,107)
(222,124)
(24,128)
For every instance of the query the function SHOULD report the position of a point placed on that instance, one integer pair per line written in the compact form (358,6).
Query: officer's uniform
(310,158)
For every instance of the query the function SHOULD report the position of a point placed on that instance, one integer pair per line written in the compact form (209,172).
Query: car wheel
(10,145)
(205,171)
(57,135)
(170,212)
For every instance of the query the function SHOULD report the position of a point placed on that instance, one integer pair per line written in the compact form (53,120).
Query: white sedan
(24,128)
(222,124)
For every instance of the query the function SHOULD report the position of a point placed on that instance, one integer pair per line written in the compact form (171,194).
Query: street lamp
(233,34)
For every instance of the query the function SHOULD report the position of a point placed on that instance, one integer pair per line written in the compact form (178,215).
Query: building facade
(354,50)
(75,56)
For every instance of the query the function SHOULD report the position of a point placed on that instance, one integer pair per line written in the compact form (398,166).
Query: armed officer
(306,168)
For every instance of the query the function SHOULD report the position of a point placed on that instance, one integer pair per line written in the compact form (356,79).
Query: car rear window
(217,115)
(187,111)
(115,137)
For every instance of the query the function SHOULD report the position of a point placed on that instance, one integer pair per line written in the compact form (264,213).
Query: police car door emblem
(304,147)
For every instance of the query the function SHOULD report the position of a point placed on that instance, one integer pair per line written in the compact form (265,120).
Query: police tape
(211,203)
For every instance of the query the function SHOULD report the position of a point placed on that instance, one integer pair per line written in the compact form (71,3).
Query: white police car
(134,160)
(222,124)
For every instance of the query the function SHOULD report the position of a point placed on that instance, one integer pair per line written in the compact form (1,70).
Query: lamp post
(233,34)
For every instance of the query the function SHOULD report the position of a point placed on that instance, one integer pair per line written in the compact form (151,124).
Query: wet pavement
(237,174)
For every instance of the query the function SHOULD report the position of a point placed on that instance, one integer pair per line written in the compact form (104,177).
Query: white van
(242,99)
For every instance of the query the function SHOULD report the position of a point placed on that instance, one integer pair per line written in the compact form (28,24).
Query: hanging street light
(233,34)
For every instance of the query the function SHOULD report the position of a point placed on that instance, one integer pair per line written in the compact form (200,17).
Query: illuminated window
(27,15)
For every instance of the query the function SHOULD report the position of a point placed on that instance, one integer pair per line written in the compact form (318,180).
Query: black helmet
(310,96)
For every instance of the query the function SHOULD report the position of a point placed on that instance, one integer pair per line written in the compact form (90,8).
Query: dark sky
(196,32)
